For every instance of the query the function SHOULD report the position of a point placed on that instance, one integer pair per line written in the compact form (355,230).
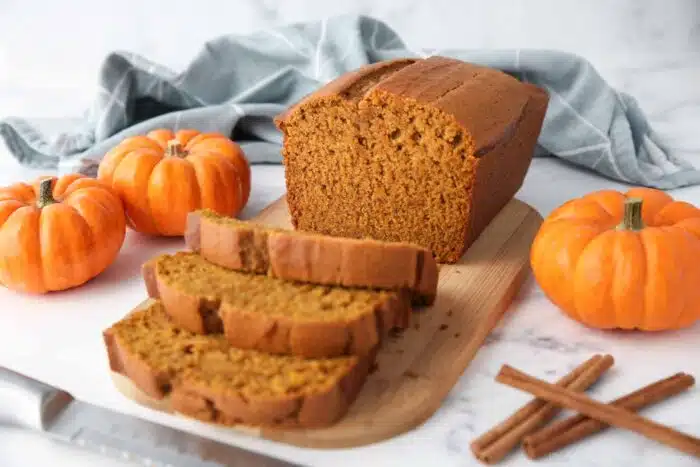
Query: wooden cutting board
(416,370)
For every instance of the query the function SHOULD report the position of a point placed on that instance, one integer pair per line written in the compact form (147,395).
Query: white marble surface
(49,56)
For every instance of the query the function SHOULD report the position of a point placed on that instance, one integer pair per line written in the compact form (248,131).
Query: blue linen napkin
(237,84)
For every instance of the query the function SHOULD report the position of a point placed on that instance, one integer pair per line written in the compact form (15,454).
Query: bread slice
(209,380)
(313,258)
(264,313)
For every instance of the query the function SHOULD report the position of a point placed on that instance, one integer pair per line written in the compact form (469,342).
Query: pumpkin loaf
(319,259)
(207,379)
(425,151)
(259,312)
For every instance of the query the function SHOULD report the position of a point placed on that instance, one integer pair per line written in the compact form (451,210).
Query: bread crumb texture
(393,152)
(257,293)
(403,178)
(210,362)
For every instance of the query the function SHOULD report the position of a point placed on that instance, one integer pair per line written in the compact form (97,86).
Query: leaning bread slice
(207,379)
(313,258)
(264,313)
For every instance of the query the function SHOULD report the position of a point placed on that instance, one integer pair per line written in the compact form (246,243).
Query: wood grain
(416,370)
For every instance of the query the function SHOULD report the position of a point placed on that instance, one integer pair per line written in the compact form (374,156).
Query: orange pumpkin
(162,176)
(622,260)
(58,233)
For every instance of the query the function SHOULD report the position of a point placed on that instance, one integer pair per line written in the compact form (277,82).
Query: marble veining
(535,341)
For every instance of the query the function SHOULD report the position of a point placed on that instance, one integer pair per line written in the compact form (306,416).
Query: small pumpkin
(163,175)
(58,233)
(614,260)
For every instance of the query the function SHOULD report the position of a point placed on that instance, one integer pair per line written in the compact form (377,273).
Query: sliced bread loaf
(313,258)
(209,380)
(264,313)
(426,151)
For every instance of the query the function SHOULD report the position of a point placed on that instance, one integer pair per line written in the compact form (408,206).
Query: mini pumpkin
(58,233)
(622,260)
(162,176)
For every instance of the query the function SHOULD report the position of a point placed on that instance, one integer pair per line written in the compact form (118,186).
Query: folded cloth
(237,84)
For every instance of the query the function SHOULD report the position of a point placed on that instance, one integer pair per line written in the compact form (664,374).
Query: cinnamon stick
(496,443)
(572,429)
(609,414)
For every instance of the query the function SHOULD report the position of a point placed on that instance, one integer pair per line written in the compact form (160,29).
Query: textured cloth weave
(237,84)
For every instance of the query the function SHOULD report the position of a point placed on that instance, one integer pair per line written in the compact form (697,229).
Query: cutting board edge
(299,437)
(304,437)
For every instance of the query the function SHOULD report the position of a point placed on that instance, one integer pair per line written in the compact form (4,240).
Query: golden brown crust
(493,187)
(427,277)
(148,271)
(229,407)
(192,230)
(500,116)
(279,334)
(314,258)
(360,336)
(152,382)
(195,314)
(458,88)
(351,85)
(311,411)
(486,101)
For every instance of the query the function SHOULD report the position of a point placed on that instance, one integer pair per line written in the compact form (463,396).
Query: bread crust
(231,407)
(501,115)
(313,258)
(493,188)
(293,411)
(282,335)
(152,382)
(350,85)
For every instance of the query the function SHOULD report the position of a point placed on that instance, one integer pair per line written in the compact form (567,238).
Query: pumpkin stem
(175,149)
(632,217)
(45,197)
